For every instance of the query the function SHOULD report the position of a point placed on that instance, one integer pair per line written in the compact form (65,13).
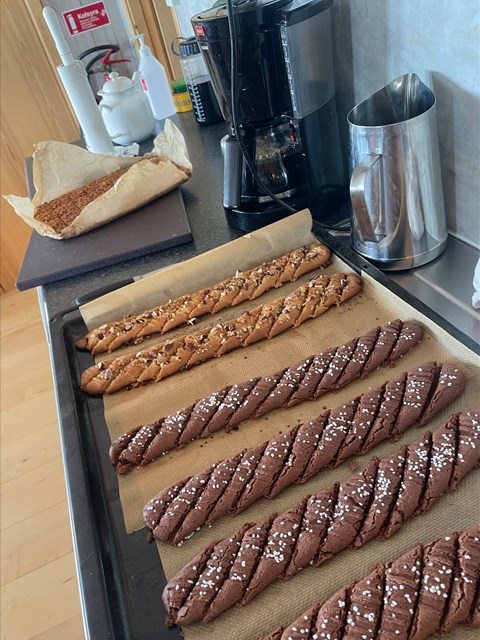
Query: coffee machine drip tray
(249,216)
(281,196)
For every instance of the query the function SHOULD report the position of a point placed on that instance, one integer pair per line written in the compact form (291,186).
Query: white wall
(117,32)
(188,8)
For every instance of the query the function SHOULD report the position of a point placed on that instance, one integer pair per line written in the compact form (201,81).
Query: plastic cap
(140,36)
(144,49)
(179,85)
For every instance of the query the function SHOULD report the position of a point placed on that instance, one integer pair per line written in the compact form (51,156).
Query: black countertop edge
(88,559)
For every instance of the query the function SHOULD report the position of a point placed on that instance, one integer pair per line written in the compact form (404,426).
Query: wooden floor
(39,593)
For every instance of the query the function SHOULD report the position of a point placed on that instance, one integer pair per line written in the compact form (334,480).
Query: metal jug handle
(359,202)
(172,46)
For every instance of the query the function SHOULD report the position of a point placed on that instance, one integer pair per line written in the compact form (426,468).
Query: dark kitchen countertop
(437,285)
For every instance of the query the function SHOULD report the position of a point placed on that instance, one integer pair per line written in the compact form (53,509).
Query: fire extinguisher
(98,74)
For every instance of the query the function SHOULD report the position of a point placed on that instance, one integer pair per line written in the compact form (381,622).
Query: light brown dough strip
(245,285)
(162,360)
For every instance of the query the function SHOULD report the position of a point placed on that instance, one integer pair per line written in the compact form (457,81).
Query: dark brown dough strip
(344,516)
(245,285)
(228,407)
(428,590)
(296,455)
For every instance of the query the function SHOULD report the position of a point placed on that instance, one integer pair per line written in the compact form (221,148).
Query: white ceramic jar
(125,109)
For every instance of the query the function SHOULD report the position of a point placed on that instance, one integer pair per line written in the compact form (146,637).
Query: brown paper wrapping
(280,603)
(59,168)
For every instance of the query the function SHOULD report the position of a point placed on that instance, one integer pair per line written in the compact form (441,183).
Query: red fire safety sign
(86,18)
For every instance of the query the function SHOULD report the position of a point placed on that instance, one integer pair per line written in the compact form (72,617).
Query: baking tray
(120,576)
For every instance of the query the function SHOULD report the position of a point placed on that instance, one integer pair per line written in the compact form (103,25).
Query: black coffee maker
(283,150)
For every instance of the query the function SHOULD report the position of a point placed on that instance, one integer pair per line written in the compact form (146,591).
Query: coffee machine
(282,152)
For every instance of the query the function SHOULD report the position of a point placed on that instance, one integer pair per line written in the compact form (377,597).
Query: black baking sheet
(120,575)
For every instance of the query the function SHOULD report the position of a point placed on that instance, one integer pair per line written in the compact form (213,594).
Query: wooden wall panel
(33,108)
(169,27)
(158,25)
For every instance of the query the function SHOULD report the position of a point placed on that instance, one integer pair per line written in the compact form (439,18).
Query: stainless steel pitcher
(396,187)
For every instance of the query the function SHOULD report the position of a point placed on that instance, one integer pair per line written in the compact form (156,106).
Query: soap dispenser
(154,81)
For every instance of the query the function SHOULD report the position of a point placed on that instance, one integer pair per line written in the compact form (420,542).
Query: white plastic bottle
(155,82)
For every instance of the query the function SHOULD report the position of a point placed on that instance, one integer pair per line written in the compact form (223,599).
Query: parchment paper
(280,603)
(59,168)
(203,270)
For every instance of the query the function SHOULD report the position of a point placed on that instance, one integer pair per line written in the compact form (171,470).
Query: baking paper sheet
(280,603)
(203,270)
(59,168)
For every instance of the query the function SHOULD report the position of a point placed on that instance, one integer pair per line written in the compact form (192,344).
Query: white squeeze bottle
(155,82)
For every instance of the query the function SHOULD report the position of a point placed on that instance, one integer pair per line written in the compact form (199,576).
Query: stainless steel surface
(308,55)
(398,218)
(446,286)
(370,167)
(232,172)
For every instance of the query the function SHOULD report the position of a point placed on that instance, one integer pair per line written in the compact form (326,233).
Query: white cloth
(476,286)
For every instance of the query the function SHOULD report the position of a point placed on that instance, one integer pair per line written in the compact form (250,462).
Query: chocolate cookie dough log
(424,480)
(160,361)
(228,407)
(245,285)
(344,519)
(428,590)
(464,599)
(297,454)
